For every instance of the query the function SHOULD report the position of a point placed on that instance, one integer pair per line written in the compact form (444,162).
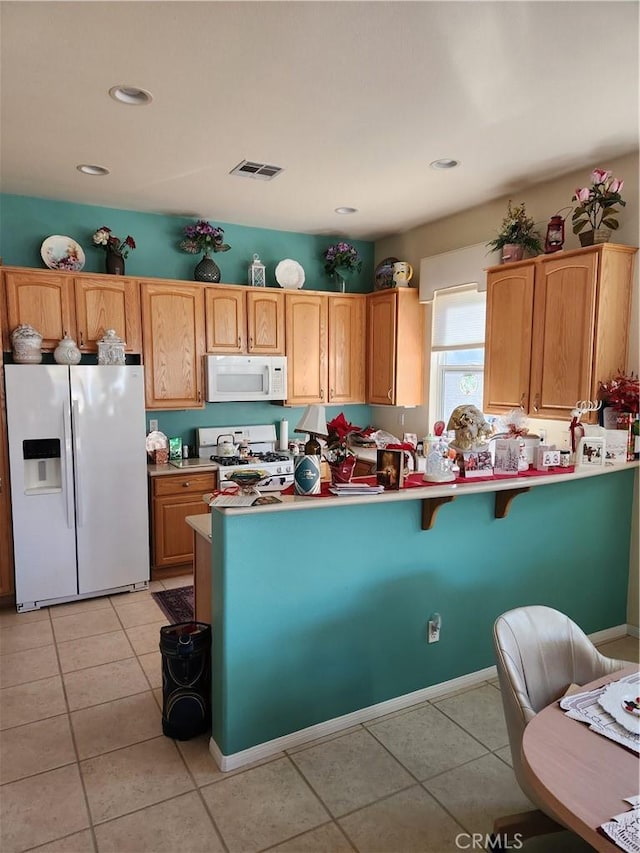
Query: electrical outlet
(433,628)
(153,425)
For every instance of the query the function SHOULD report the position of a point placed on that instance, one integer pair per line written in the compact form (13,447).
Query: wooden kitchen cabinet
(173,338)
(325,347)
(347,353)
(557,325)
(173,498)
(395,348)
(244,320)
(306,347)
(83,306)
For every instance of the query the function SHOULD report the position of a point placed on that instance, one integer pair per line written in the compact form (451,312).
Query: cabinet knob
(332,393)
(251,340)
(322,393)
(536,403)
(239,342)
(186,485)
(199,396)
(389,393)
(81,338)
(522,399)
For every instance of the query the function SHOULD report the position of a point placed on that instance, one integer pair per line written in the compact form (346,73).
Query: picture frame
(591,452)
(615,448)
(390,469)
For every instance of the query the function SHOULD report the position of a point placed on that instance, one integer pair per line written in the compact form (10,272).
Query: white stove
(257,452)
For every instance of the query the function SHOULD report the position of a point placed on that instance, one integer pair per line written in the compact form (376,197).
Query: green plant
(518,229)
(596,204)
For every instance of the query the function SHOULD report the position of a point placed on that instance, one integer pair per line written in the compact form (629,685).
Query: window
(457,350)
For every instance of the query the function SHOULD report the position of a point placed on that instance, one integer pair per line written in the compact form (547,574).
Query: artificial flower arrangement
(596,204)
(104,239)
(203,237)
(341,257)
(339,430)
(621,393)
(517,229)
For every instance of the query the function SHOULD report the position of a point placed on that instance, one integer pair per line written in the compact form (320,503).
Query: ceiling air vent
(260,171)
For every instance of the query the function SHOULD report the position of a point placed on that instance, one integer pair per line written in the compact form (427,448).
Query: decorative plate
(289,274)
(62,253)
(621,700)
(383,277)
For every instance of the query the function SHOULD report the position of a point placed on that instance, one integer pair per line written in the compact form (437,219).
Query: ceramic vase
(114,263)
(207,269)
(593,238)
(512,252)
(27,344)
(67,352)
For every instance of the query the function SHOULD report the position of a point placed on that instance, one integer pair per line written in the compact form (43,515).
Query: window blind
(458,319)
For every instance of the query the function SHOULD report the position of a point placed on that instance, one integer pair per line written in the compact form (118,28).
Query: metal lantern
(256,273)
(555,234)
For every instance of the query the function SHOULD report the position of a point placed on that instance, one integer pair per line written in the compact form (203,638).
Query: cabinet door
(103,304)
(508,338)
(225,319)
(172,536)
(381,344)
(409,355)
(44,300)
(265,321)
(173,345)
(563,334)
(347,338)
(306,347)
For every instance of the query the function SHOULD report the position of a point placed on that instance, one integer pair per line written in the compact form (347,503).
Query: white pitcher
(402,273)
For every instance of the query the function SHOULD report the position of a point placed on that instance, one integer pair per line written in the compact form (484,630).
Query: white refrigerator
(77,463)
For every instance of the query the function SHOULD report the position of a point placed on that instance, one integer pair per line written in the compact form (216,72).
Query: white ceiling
(352,99)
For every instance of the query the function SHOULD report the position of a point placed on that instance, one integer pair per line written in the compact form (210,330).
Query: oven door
(270,483)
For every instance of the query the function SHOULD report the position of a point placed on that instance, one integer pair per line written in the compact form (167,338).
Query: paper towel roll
(284,434)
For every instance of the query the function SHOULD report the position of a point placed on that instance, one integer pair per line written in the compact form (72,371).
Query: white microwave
(244,378)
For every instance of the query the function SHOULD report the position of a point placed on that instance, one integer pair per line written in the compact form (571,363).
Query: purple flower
(203,237)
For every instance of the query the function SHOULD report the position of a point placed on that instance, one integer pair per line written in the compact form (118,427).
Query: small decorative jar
(67,351)
(111,348)
(27,344)
(256,273)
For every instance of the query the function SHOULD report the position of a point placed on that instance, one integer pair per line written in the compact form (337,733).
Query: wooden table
(581,775)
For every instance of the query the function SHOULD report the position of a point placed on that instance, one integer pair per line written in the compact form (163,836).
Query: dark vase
(207,270)
(114,263)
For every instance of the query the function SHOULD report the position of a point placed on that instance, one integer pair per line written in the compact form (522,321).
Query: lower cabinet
(173,498)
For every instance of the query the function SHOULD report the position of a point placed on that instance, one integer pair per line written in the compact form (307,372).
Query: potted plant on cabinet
(596,208)
(517,235)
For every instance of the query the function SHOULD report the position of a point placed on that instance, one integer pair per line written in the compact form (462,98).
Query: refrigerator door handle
(75,438)
(66,436)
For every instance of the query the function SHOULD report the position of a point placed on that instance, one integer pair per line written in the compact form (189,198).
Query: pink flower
(599,176)
(616,186)
(582,195)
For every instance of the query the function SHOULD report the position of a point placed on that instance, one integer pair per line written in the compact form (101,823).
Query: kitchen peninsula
(320,606)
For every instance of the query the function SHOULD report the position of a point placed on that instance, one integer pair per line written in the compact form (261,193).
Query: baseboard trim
(398,703)
(328,727)
(633,630)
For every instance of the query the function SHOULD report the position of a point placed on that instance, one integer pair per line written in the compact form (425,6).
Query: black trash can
(186,679)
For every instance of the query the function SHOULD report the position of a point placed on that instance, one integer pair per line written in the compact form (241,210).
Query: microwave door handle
(268,372)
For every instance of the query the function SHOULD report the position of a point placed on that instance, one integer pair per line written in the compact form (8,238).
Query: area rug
(176,604)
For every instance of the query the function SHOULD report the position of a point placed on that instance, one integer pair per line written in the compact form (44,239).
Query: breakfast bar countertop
(437,490)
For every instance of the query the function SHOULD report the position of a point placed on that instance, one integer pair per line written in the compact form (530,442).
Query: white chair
(539,653)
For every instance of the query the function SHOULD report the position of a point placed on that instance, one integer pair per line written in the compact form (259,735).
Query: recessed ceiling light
(89,169)
(445,163)
(345,210)
(131,95)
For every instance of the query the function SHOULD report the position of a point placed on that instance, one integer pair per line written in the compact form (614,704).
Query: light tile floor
(85,768)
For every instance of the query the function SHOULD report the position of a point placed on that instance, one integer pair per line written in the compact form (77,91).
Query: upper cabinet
(557,325)
(244,320)
(82,306)
(173,344)
(395,348)
(347,338)
(306,347)
(325,335)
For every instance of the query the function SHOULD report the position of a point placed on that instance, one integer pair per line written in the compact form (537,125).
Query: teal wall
(183,423)
(25,222)
(320,613)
